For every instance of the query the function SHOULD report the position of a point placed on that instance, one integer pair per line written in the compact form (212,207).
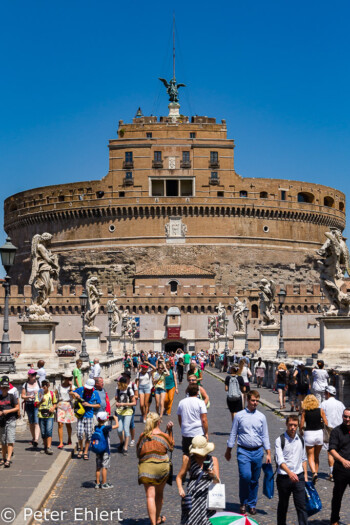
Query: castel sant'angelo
(173,224)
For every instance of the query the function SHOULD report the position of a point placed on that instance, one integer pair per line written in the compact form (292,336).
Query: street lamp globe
(83,300)
(8,254)
(281,297)
(246,312)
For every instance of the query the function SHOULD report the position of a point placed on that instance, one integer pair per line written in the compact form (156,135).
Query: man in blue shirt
(250,429)
(90,400)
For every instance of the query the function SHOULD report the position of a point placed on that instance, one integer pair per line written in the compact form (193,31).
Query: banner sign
(174,332)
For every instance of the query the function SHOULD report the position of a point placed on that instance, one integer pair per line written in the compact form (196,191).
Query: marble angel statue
(113,307)
(237,314)
(94,295)
(267,297)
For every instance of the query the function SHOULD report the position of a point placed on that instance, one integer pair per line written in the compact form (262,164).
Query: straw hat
(201,446)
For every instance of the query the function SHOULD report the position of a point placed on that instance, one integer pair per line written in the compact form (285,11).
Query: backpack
(303,379)
(99,443)
(234,391)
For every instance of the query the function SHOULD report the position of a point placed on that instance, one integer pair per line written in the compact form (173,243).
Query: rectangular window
(220,193)
(157,188)
(185,156)
(158,156)
(172,188)
(214,157)
(122,194)
(128,156)
(186,188)
(283,195)
(192,135)
(149,135)
(214,175)
(128,175)
(243,193)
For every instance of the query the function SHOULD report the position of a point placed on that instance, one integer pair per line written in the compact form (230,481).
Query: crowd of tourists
(322,420)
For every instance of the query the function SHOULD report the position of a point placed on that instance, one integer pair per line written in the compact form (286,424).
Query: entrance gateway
(172,346)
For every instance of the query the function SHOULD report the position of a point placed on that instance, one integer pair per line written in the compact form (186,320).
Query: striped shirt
(154,448)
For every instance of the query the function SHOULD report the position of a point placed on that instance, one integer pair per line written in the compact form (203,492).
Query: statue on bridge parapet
(221,318)
(237,314)
(267,298)
(112,306)
(45,270)
(333,265)
(94,295)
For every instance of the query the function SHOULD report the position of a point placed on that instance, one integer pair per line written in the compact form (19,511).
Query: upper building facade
(172,196)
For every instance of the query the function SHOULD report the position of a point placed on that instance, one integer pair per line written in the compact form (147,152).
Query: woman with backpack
(303,382)
(281,378)
(234,386)
(124,402)
(65,412)
(29,390)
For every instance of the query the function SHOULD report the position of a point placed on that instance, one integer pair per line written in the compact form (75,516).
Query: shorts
(32,413)
(46,426)
(159,391)
(132,423)
(8,432)
(313,437)
(103,460)
(144,389)
(186,443)
(235,405)
(85,426)
(281,386)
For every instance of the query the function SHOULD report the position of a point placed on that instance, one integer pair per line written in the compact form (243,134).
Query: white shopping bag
(216,497)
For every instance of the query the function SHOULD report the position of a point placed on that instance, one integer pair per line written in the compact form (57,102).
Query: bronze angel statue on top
(172,89)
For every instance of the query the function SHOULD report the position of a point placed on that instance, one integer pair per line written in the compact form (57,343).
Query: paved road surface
(75,487)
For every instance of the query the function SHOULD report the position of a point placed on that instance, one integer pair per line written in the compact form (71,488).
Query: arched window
(341,206)
(304,196)
(255,311)
(173,286)
(328,201)
(263,195)
(243,193)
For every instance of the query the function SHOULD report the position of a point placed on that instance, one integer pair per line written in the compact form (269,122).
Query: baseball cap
(4,382)
(31,372)
(90,383)
(331,390)
(102,416)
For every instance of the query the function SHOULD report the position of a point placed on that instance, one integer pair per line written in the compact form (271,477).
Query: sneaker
(330,478)
(132,443)
(35,444)
(49,451)
(97,485)
(125,452)
(106,486)
(43,451)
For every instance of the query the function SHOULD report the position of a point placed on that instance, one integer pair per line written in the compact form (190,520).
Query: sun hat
(67,375)
(102,416)
(90,383)
(31,372)
(331,390)
(201,446)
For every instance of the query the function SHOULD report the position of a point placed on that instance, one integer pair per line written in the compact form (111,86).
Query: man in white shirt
(333,410)
(192,415)
(291,472)
(95,369)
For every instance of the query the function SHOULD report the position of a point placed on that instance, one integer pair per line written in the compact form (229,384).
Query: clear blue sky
(277,71)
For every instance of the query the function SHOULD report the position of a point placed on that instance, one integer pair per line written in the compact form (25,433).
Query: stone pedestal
(174,111)
(117,345)
(238,342)
(93,342)
(269,341)
(38,340)
(335,341)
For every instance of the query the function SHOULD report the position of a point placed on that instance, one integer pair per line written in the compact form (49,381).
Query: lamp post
(281,353)
(226,346)
(246,314)
(84,356)
(8,254)
(110,312)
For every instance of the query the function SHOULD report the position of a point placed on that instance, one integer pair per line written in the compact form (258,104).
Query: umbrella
(226,518)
